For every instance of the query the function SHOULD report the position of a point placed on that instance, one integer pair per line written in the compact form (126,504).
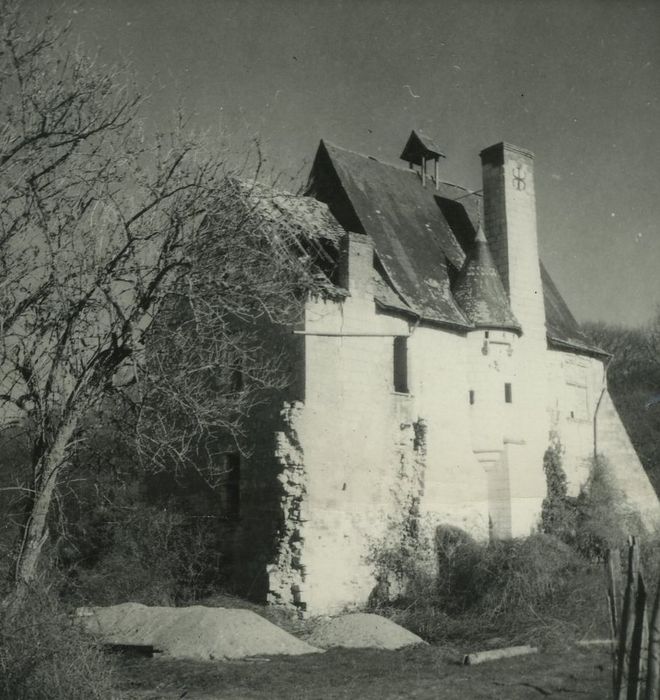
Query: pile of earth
(361,630)
(194,632)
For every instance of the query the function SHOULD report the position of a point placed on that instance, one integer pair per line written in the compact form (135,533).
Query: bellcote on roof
(420,147)
(479,292)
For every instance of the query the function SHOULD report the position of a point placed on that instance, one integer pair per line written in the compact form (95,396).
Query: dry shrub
(505,576)
(158,556)
(531,588)
(45,655)
(604,520)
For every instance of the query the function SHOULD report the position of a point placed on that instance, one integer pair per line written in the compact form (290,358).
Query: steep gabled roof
(412,238)
(479,291)
(421,237)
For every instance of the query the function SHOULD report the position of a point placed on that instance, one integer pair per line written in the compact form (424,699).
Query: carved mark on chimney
(519,178)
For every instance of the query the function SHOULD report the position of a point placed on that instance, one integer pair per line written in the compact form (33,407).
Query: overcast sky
(577,82)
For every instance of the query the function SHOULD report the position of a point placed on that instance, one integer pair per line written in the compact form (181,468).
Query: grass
(341,674)
(45,656)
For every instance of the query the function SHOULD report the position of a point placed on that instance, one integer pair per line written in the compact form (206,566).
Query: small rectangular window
(471,397)
(508,395)
(236,380)
(232,486)
(400,364)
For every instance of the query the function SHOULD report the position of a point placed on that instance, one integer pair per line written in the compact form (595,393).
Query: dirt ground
(415,672)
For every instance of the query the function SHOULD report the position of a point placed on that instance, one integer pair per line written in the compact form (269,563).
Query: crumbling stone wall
(286,574)
(407,542)
(408,489)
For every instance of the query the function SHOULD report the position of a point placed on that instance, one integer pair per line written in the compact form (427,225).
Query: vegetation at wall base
(548,588)
(535,589)
(45,655)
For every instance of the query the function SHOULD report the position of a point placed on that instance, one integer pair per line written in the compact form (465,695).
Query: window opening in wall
(471,397)
(231,482)
(236,379)
(487,334)
(577,405)
(508,395)
(400,364)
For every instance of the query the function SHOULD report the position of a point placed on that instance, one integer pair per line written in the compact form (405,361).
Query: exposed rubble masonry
(286,575)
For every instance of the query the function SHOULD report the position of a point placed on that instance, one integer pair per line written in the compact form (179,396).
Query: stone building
(433,379)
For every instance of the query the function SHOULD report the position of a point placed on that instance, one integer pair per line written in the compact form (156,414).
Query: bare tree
(99,229)
(219,346)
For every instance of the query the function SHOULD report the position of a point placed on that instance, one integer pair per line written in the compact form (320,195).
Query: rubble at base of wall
(286,574)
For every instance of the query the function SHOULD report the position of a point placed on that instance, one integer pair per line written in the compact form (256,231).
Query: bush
(559,512)
(154,556)
(499,577)
(597,519)
(44,655)
(519,589)
(603,521)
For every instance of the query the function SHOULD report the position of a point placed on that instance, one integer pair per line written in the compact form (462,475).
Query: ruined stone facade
(397,406)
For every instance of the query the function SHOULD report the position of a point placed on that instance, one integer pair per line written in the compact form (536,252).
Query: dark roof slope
(462,210)
(563,330)
(412,238)
(421,235)
(479,291)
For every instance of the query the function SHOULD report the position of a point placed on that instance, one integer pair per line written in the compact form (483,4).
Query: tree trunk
(35,532)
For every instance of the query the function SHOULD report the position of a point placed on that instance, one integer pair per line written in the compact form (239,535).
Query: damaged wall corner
(286,574)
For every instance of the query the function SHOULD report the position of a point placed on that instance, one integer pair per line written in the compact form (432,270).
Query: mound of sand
(192,633)
(362,630)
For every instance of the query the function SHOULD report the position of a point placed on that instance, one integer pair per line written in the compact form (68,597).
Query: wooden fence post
(613,571)
(627,625)
(653,674)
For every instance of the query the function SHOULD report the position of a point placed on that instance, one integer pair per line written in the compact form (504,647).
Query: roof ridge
(398,168)
(366,155)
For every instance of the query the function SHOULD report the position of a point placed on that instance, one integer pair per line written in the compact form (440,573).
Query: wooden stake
(627,624)
(613,572)
(638,648)
(653,674)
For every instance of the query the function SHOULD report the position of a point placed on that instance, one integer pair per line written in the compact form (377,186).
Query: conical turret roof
(479,292)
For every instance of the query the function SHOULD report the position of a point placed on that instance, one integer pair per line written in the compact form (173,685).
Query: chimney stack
(510,222)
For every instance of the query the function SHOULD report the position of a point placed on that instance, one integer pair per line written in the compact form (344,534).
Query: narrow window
(400,364)
(487,334)
(508,396)
(232,486)
(471,397)
(236,380)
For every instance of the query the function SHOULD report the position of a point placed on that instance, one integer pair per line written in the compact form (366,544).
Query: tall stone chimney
(510,223)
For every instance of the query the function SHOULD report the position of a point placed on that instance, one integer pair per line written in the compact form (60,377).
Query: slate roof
(564,332)
(412,238)
(421,235)
(479,291)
